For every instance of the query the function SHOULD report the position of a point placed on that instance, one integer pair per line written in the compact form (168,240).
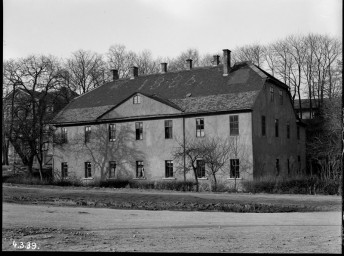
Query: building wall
(153,150)
(268,148)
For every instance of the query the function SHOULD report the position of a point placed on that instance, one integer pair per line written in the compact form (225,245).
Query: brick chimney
(115,75)
(216,60)
(189,64)
(163,67)
(134,72)
(226,61)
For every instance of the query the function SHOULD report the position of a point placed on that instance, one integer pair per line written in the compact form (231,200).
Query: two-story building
(129,128)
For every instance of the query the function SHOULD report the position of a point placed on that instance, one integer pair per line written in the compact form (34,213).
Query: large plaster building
(129,128)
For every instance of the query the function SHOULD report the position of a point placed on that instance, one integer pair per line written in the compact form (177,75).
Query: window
(64,170)
(281,97)
(276,127)
(234,168)
(168,129)
(288,166)
(140,171)
(263,126)
(234,125)
(277,167)
(298,132)
(87,133)
(112,132)
(200,168)
(139,130)
(199,127)
(288,131)
(168,169)
(271,94)
(137,99)
(64,135)
(88,170)
(112,169)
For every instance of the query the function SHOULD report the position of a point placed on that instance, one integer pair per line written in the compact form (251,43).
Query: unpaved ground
(61,228)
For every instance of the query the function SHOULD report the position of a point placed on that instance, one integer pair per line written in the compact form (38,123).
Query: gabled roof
(198,89)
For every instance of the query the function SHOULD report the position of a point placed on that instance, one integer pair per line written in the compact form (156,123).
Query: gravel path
(93,229)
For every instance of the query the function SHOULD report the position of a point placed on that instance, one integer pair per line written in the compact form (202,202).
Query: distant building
(15,102)
(128,128)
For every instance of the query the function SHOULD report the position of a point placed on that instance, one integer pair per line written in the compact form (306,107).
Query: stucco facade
(153,149)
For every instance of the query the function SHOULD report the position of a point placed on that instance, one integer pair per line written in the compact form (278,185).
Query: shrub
(21,179)
(293,185)
(121,183)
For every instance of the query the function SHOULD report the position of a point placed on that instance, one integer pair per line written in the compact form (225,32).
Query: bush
(114,183)
(295,185)
(67,182)
(23,179)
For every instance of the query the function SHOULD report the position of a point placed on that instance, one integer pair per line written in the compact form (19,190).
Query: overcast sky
(165,27)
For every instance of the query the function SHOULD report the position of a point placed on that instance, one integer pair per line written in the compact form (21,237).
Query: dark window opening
(277,167)
(234,125)
(112,132)
(199,127)
(288,131)
(64,170)
(168,169)
(200,168)
(87,133)
(168,129)
(139,130)
(112,169)
(276,127)
(263,126)
(234,168)
(88,170)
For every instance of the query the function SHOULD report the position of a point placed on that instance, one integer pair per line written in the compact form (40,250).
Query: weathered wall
(153,150)
(268,148)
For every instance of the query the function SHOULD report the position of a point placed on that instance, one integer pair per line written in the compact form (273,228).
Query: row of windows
(263,126)
(140,171)
(168,124)
(278,167)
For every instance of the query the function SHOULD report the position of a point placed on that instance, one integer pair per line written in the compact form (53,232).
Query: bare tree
(84,71)
(121,59)
(31,78)
(253,52)
(216,154)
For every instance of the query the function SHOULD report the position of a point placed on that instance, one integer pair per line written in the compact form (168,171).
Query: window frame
(234,171)
(234,125)
(139,164)
(88,170)
(168,129)
(280,94)
(137,99)
(112,132)
(64,135)
(263,125)
(87,131)
(168,168)
(272,94)
(276,127)
(200,127)
(139,130)
(64,170)
(200,165)
(114,165)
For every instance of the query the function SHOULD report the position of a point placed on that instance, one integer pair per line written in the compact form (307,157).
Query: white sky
(166,27)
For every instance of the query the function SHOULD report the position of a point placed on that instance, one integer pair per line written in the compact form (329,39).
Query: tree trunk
(215,183)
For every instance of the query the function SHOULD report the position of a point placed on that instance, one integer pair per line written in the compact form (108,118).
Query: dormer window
(137,99)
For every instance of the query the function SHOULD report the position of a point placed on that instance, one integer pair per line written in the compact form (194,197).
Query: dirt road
(94,229)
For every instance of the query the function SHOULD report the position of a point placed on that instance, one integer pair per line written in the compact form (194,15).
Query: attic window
(137,99)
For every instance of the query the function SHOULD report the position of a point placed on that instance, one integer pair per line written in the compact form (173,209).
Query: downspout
(184,149)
